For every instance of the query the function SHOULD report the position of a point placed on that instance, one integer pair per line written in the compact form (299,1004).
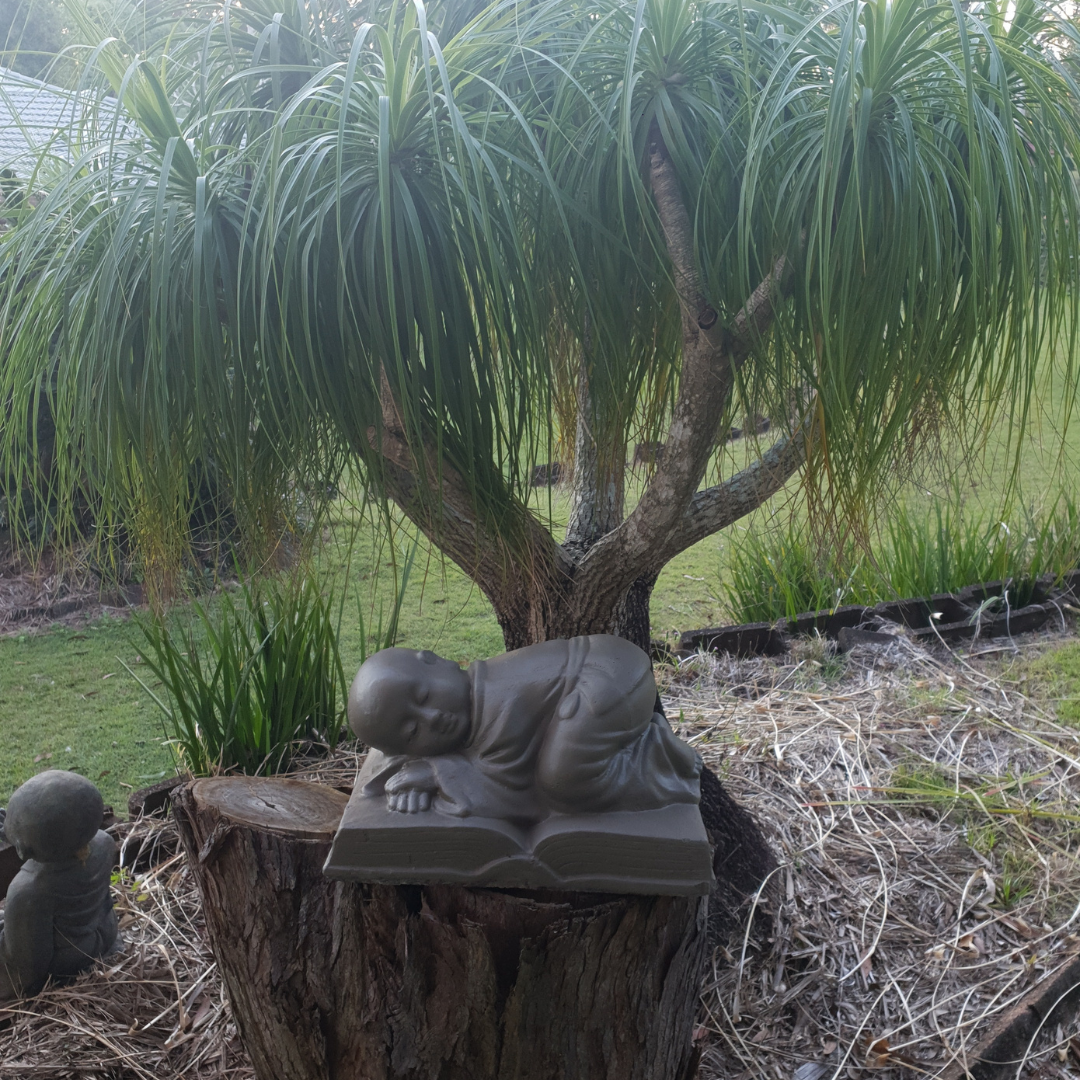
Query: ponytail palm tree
(438,240)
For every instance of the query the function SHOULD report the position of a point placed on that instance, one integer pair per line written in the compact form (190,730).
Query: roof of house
(33,116)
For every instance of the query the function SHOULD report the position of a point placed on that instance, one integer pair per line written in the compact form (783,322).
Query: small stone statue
(534,760)
(58,916)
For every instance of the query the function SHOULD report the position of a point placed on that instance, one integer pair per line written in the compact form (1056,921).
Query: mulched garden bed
(925,815)
(975,612)
(908,917)
(36,595)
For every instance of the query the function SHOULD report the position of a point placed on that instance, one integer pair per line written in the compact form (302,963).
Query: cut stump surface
(344,981)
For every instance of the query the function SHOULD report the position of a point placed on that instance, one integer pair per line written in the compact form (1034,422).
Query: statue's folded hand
(412,789)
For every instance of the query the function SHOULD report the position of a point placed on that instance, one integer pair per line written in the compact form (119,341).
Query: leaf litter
(926,820)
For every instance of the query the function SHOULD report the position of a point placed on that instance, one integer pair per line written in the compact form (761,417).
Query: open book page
(655,851)
(377,844)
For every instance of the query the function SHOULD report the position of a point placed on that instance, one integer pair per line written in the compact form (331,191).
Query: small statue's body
(546,766)
(58,916)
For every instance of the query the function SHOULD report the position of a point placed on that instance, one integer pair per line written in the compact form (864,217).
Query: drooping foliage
(396,234)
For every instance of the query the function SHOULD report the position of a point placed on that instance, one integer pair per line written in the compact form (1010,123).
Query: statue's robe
(565,726)
(58,918)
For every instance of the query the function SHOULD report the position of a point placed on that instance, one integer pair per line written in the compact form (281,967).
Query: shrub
(263,677)
(779,573)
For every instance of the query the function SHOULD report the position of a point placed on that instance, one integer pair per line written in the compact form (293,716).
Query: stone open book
(654,852)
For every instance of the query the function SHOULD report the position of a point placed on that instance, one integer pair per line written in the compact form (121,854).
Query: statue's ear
(21,850)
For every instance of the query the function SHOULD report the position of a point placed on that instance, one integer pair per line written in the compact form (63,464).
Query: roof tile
(33,116)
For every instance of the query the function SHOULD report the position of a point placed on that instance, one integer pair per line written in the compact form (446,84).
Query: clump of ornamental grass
(251,678)
(779,573)
(257,676)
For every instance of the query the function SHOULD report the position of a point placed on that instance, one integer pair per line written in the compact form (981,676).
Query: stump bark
(342,981)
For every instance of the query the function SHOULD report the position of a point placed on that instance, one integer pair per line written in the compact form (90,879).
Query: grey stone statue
(517,769)
(58,916)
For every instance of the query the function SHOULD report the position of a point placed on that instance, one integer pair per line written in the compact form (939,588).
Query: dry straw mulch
(153,1011)
(927,823)
(34,596)
(926,818)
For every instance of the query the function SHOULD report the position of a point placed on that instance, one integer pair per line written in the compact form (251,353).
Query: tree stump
(332,979)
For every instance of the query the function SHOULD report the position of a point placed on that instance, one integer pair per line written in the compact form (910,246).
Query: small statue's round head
(412,703)
(53,816)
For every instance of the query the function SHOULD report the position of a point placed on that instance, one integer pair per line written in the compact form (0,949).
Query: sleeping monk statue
(58,916)
(543,767)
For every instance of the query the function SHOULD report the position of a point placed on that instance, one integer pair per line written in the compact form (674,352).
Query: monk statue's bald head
(53,816)
(412,703)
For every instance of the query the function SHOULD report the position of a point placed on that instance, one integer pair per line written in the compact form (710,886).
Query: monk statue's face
(411,703)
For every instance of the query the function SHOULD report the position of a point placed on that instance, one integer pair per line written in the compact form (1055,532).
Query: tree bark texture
(341,981)
(597,494)
(743,864)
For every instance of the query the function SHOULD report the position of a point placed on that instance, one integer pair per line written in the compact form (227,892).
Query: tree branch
(723,504)
(438,500)
(757,314)
(710,356)
(597,492)
(705,383)
(699,316)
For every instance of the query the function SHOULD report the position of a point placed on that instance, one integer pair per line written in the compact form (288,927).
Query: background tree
(433,241)
(33,33)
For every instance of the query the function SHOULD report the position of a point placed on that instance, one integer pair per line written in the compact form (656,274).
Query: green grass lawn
(1052,677)
(66,701)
